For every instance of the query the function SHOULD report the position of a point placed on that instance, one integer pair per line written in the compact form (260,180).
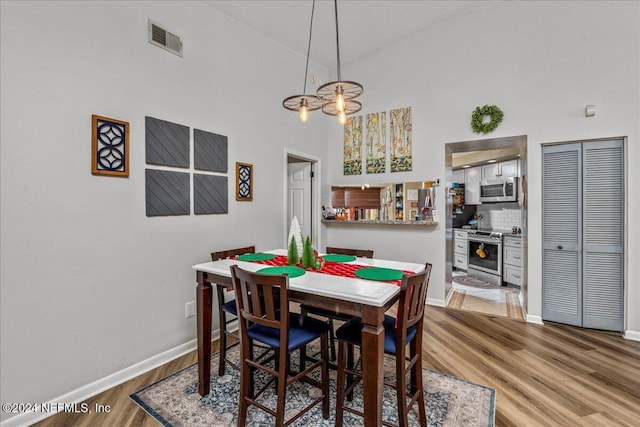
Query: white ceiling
(365,25)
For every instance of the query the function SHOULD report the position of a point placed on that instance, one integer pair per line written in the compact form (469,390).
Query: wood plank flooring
(545,375)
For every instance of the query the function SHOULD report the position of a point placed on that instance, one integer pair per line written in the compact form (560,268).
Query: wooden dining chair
(263,308)
(226,308)
(329,314)
(404,330)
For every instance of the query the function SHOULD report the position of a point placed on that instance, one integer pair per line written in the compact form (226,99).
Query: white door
(299,196)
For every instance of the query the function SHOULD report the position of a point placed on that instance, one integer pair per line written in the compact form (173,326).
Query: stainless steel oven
(485,256)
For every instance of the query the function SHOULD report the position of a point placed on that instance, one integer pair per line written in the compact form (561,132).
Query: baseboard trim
(534,319)
(632,335)
(87,391)
(436,302)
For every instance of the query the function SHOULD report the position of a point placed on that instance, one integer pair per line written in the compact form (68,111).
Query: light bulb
(339,99)
(304,113)
(342,117)
(304,110)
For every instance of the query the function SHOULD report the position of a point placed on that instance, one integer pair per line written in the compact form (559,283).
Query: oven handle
(481,240)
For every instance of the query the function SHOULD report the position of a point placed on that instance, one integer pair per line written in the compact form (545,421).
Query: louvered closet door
(603,201)
(562,234)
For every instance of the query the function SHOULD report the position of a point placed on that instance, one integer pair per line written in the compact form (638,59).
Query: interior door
(562,234)
(583,234)
(299,196)
(603,195)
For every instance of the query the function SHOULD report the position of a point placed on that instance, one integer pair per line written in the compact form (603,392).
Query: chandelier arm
(306,70)
(335,2)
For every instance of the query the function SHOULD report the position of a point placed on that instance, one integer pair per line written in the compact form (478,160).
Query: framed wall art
(376,142)
(109,146)
(353,146)
(401,140)
(244,182)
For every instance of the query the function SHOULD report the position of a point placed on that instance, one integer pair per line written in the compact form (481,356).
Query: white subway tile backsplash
(500,216)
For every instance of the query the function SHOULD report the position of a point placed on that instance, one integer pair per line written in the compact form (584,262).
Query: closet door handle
(560,247)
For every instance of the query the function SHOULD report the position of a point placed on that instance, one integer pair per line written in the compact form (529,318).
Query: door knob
(560,247)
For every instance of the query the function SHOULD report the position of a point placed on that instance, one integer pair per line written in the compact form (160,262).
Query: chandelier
(334,98)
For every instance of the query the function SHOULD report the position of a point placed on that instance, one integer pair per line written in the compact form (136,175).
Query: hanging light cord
(337,39)
(306,70)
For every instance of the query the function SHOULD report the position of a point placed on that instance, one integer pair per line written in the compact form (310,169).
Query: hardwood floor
(545,375)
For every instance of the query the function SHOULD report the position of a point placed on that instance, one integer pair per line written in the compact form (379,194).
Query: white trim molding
(534,319)
(632,335)
(436,302)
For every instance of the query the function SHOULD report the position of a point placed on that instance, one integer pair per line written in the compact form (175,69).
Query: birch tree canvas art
(401,154)
(353,146)
(377,142)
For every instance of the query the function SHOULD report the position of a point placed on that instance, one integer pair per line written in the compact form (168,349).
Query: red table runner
(332,268)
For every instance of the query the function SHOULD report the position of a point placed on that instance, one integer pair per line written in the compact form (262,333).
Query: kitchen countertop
(378,222)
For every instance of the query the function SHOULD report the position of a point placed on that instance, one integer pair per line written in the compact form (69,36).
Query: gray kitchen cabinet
(512,260)
(460,248)
(472,178)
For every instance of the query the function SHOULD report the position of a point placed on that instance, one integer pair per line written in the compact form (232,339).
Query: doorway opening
(302,195)
(465,163)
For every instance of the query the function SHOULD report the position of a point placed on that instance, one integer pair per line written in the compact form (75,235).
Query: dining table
(345,294)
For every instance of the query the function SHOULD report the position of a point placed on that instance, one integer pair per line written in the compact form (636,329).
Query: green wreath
(478,115)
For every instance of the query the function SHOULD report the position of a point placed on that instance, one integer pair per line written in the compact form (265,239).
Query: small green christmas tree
(292,255)
(308,260)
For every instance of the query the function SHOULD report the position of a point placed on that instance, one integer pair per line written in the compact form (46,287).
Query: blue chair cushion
(302,330)
(230,307)
(351,332)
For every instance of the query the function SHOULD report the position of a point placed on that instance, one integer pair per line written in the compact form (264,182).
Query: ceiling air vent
(164,39)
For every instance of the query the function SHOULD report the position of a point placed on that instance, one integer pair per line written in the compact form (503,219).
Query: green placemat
(291,270)
(378,273)
(339,258)
(255,257)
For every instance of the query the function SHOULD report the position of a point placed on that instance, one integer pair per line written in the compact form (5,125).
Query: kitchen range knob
(560,247)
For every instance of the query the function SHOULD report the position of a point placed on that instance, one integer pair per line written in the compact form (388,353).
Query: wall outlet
(189,309)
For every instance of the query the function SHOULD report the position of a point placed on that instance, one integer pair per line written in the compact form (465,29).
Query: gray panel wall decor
(210,194)
(210,151)
(167,193)
(166,143)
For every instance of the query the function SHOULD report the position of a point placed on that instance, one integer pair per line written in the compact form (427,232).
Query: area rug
(174,401)
(474,283)
(510,307)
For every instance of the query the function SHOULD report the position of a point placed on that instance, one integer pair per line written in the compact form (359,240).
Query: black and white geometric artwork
(244,182)
(109,146)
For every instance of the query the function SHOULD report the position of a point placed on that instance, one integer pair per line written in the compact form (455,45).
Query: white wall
(541,63)
(90,285)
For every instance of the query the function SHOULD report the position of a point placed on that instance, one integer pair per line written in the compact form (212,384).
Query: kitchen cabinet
(512,260)
(460,249)
(337,197)
(362,197)
(472,178)
(458,176)
(507,169)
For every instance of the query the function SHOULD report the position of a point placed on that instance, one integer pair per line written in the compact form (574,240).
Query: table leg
(372,371)
(203,297)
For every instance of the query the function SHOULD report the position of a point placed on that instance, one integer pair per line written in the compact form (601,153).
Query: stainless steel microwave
(500,190)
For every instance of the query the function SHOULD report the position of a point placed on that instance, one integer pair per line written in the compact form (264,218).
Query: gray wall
(90,284)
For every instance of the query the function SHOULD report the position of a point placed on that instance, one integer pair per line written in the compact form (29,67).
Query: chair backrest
(413,294)
(365,253)
(229,253)
(262,299)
